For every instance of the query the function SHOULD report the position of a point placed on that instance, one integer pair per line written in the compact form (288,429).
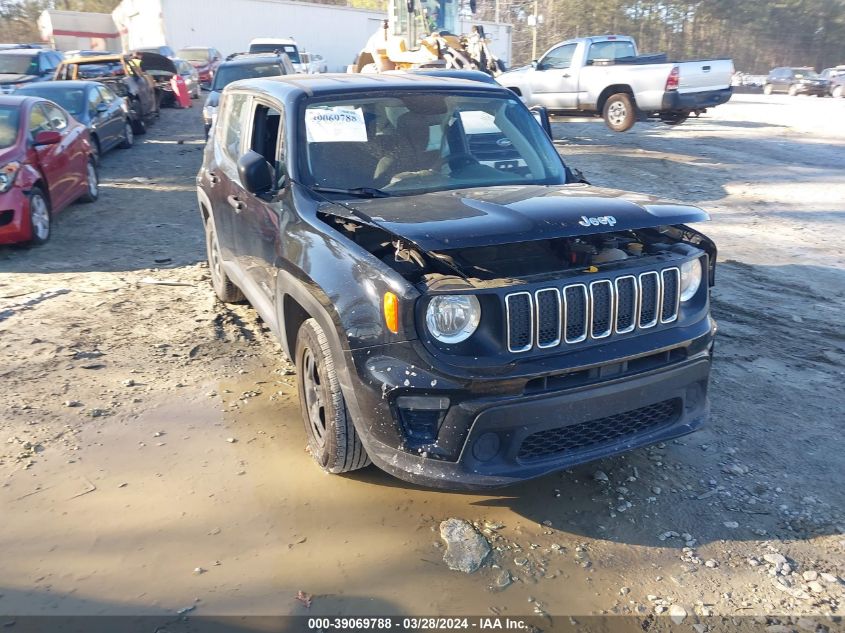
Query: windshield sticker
(335,125)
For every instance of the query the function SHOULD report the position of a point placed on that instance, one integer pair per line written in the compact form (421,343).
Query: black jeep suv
(462,309)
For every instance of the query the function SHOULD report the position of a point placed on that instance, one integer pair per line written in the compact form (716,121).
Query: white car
(280,45)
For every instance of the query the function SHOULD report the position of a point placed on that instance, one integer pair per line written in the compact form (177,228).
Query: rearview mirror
(255,173)
(47,137)
(541,115)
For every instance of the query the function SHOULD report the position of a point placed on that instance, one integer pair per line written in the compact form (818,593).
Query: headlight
(7,175)
(690,279)
(452,318)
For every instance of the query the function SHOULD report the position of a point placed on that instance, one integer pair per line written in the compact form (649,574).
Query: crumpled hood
(488,216)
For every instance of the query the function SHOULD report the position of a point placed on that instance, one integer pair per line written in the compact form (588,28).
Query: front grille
(576,312)
(595,433)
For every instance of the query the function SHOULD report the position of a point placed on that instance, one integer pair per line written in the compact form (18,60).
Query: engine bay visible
(514,261)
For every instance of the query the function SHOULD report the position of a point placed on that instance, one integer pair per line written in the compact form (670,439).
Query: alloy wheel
(314,402)
(617,113)
(93,184)
(40,215)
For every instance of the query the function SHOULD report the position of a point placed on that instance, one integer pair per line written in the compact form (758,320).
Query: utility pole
(497,12)
(534,34)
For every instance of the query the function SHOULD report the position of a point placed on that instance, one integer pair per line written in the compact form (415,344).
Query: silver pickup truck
(605,75)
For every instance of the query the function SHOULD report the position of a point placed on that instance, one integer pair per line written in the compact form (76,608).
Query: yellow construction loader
(421,34)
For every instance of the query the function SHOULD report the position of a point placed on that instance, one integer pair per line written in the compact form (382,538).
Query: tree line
(757,34)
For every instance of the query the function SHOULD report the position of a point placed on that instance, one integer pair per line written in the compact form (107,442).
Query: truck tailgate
(707,74)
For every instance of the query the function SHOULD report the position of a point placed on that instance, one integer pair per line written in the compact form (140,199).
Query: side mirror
(541,115)
(47,137)
(255,172)
(102,107)
(535,64)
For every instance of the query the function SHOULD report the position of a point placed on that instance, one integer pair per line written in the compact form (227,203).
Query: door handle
(235,203)
(566,75)
(213,179)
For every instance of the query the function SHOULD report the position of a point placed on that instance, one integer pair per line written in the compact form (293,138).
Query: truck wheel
(332,439)
(619,112)
(674,118)
(767,89)
(225,290)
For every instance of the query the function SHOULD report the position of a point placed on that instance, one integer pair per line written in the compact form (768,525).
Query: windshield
(290,49)
(415,143)
(803,73)
(18,64)
(71,99)
(8,126)
(193,54)
(227,74)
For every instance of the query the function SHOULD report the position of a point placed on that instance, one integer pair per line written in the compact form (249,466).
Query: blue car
(94,105)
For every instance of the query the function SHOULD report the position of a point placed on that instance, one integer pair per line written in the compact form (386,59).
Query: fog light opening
(421,417)
(486,447)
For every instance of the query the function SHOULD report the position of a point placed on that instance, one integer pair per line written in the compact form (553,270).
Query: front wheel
(139,126)
(39,217)
(128,135)
(618,112)
(332,439)
(92,183)
(767,89)
(792,91)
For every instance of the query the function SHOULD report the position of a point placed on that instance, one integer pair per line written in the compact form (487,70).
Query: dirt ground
(152,457)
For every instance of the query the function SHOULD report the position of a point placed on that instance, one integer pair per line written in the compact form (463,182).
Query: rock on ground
(466,548)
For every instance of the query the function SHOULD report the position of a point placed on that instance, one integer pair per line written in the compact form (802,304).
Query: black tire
(39,211)
(674,118)
(224,288)
(792,91)
(767,89)
(96,150)
(332,439)
(139,127)
(619,113)
(128,135)
(92,182)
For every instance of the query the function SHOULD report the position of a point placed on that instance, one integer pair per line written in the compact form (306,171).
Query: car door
(259,224)
(114,115)
(53,160)
(227,147)
(553,82)
(98,118)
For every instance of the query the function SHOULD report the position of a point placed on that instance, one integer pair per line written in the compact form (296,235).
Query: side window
(232,129)
(106,94)
(93,100)
(268,136)
(38,121)
(56,117)
(558,58)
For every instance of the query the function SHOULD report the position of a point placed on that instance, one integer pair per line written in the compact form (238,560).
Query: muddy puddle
(213,501)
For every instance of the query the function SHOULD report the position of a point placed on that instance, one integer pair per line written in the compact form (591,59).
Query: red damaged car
(205,59)
(46,163)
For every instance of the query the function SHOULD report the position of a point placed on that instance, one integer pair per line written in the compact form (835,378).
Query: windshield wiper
(358,192)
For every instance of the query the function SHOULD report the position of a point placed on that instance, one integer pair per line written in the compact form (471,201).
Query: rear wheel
(618,112)
(39,217)
(139,126)
(838,92)
(792,91)
(128,135)
(332,439)
(767,89)
(95,149)
(92,183)
(225,290)
(674,118)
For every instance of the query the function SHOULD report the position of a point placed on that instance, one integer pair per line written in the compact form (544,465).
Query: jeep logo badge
(608,220)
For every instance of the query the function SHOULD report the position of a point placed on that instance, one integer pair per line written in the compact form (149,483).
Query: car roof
(249,59)
(95,59)
(195,48)
(61,85)
(21,51)
(17,100)
(334,83)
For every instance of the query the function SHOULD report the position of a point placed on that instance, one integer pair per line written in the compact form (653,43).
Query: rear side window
(231,132)
(610,50)
(267,136)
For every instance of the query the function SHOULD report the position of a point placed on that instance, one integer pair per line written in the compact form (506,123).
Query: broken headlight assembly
(7,175)
(452,318)
(691,274)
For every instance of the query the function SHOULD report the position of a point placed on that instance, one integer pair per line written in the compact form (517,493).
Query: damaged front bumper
(437,428)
